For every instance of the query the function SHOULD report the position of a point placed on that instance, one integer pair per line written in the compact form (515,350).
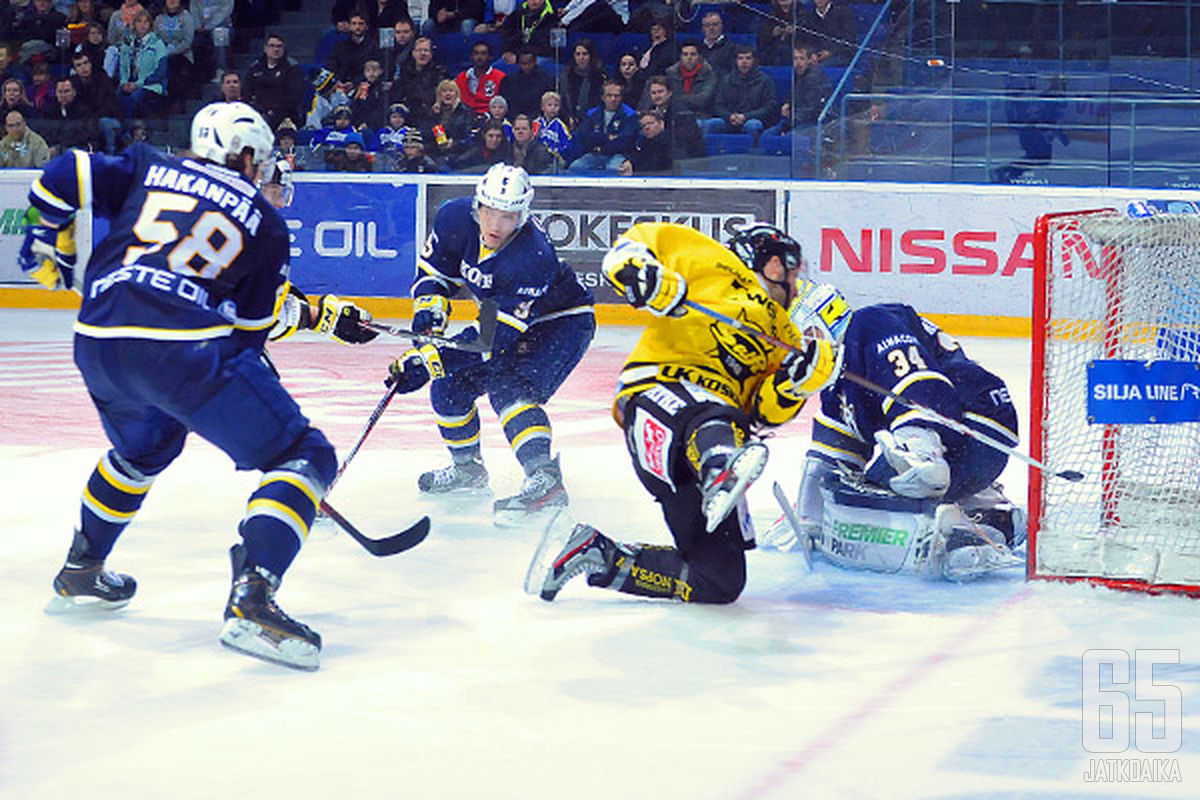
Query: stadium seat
(716,144)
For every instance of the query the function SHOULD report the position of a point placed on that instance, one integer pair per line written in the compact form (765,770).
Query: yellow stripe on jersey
(265,506)
(908,380)
(139,332)
(310,490)
(49,198)
(83,174)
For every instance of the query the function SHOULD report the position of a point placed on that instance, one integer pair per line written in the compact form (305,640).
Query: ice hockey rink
(440,678)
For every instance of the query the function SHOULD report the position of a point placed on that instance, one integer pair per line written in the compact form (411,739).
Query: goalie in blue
(178,301)
(885,487)
(489,247)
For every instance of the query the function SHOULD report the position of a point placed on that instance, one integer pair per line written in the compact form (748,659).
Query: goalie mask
(754,244)
(822,309)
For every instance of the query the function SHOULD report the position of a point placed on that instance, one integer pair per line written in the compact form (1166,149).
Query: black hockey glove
(343,321)
(413,370)
(431,313)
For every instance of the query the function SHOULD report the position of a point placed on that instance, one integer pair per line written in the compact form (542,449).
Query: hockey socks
(112,496)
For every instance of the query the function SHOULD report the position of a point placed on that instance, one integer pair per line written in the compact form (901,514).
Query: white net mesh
(1118,288)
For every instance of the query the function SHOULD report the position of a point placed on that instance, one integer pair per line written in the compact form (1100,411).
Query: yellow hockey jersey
(695,348)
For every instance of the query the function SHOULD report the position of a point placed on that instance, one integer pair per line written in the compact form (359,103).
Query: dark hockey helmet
(755,243)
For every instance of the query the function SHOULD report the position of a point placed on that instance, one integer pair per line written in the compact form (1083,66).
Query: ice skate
(542,491)
(256,626)
(567,550)
(83,584)
(724,486)
(469,477)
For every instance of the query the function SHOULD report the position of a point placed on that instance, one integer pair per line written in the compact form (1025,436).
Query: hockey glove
(806,372)
(413,370)
(431,313)
(343,321)
(48,254)
(635,272)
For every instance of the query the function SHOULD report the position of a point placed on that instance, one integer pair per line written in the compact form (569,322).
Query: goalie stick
(952,424)
(487,331)
(406,539)
(789,513)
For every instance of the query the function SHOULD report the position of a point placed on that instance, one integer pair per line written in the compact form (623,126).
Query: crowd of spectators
(381,97)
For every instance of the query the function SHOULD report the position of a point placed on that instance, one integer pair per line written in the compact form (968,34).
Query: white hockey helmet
(226,129)
(505,188)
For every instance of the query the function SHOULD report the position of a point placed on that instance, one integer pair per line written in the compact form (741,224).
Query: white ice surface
(441,679)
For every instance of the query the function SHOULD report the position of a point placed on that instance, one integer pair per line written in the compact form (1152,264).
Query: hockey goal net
(1115,394)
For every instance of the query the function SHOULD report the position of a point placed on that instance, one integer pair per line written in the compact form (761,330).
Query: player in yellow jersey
(690,397)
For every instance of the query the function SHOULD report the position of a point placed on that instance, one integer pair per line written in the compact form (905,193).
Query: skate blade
(521,518)
(749,464)
(246,637)
(558,531)
(81,605)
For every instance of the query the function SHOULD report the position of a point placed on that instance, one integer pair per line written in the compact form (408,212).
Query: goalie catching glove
(413,370)
(910,461)
(635,272)
(48,254)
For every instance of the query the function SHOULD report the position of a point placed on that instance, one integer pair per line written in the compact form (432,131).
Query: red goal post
(1116,343)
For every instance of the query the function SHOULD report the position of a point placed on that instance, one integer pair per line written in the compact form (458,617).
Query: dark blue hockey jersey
(524,277)
(891,345)
(194,251)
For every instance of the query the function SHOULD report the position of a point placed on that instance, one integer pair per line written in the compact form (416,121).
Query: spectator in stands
(41,90)
(385,13)
(583,84)
(120,24)
(524,88)
(419,78)
(777,34)
(683,130)
(339,13)
(810,91)
(631,77)
(21,147)
(453,16)
(490,146)
(39,21)
(415,159)
(716,50)
(452,122)
(274,83)
(209,15)
(693,82)
(832,31)
(70,122)
(388,141)
(404,34)
(95,88)
(528,26)
(480,82)
(14,98)
(661,53)
(80,14)
(369,101)
(177,28)
(550,128)
(498,112)
(286,148)
(95,44)
(745,101)
(340,124)
(10,67)
(325,99)
(595,16)
(607,133)
(529,152)
(142,70)
(231,86)
(351,53)
(652,153)
(350,156)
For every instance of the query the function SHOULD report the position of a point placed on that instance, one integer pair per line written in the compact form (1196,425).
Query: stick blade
(406,539)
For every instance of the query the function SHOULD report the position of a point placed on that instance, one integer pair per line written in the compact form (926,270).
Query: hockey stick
(804,540)
(487,331)
(406,539)
(380,407)
(952,424)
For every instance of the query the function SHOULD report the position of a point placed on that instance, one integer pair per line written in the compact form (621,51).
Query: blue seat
(720,144)
(782,78)
(329,40)
(786,144)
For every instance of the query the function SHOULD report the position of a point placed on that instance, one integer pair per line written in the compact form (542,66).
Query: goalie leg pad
(971,549)
(867,528)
